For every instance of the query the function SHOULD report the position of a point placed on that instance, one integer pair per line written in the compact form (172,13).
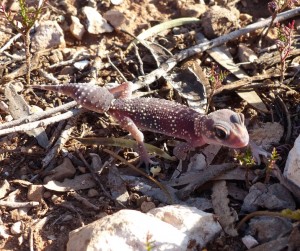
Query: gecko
(222,127)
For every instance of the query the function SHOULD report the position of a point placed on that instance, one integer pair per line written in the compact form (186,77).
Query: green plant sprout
(277,6)
(246,160)
(216,77)
(23,21)
(284,45)
(149,244)
(271,163)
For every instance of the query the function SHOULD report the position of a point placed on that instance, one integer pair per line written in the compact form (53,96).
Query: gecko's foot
(147,163)
(257,151)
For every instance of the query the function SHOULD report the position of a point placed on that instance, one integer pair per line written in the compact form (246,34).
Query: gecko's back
(158,115)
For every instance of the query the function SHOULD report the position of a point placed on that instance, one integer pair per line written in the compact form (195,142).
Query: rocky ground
(57,174)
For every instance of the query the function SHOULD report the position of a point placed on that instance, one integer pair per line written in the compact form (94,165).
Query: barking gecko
(222,127)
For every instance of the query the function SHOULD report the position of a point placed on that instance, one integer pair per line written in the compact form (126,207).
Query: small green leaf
(124,143)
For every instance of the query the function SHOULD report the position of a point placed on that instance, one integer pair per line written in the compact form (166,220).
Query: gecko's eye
(221,132)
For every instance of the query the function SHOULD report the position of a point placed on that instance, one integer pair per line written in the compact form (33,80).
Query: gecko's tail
(88,95)
(69,89)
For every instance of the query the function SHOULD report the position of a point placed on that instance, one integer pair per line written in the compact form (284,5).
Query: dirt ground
(46,226)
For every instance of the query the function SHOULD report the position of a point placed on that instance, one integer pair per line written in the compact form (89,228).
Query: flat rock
(95,23)
(48,35)
(115,18)
(127,230)
(272,197)
(172,227)
(292,166)
(269,228)
(65,170)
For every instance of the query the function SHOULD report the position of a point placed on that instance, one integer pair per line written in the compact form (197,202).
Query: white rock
(116,2)
(80,65)
(48,35)
(292,166)
(3,232)
(16,228)
(194,223)
(96,24)
(249,241)
(76,28)
(127,230)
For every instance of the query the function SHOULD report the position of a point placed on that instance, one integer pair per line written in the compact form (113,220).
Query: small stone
(35,109)
(35,192)
(246,55)
(16,228)
(48,35)
(76,28)
(47,195)
(4,188)
(93,193)
(81,65)
(249,241)
(115,18)
(8,118)
(56,56)
(3,232)
(116,2)
(65,170)
(147,206)
(96,24)
(218,21)
(292,165)
(67,70)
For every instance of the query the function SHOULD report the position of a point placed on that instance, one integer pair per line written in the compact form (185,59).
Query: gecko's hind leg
(123,91)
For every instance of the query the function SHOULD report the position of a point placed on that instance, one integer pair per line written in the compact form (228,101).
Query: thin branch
(172,62)
(38,116)
(40,123)
(9,43)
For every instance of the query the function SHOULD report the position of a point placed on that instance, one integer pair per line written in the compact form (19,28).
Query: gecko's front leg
(127,124)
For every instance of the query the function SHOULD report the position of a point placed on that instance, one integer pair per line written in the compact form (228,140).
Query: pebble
(16,228)
(95,24)
(48,35)
(147,206)
(217,21)
(93,193)
(80,65)
(76,28)
(116,2)
(4,188)
(35,193)
(65,170)
(115,18)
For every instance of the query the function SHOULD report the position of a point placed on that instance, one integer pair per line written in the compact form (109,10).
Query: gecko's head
(223,127)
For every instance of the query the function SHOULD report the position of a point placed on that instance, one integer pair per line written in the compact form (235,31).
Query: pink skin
(222,127)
